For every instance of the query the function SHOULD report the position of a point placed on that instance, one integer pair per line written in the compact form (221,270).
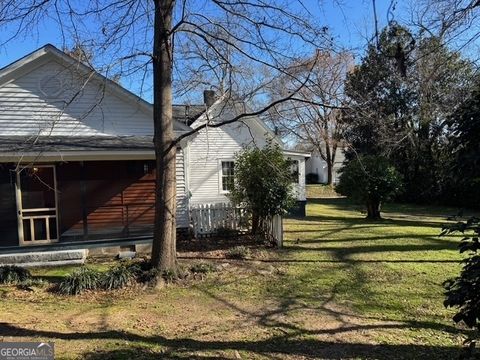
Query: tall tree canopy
(400,97)
(463,168)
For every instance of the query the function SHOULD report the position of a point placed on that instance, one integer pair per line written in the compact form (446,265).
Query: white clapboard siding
(299,190)
(211,146)
(81,108)
(182,198)
(206,151)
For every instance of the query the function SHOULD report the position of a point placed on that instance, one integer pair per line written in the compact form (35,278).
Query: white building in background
(316,165)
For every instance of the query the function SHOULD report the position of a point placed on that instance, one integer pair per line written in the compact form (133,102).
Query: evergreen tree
(463,182)
(401,95)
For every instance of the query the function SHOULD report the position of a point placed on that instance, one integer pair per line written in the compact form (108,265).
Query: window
(294,170)
(227,175)
(139,168)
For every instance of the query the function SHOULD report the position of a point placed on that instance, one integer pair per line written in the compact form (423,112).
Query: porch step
(45,258)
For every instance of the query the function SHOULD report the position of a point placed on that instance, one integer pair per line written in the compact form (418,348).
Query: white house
(210,153)
(76,155)
(316,165)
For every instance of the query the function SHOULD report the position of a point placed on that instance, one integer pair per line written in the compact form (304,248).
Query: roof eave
(86,155)
(297,153)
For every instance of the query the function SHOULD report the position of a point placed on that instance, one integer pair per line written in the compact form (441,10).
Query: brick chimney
(209,97)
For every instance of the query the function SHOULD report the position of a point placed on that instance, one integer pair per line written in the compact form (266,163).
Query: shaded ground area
(341,288)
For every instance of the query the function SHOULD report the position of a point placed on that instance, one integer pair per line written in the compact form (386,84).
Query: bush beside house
(263,183)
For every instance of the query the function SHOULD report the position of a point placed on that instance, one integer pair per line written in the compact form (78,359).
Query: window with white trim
(227,175)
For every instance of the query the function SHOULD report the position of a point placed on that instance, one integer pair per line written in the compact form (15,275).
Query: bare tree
(314,118)
(151,42)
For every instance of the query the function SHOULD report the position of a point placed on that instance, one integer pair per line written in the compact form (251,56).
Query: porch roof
(74,143)
(59,148)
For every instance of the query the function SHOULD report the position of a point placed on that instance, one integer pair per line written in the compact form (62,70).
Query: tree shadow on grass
(393,214)
(345,204)
(344,252)
(215,243)
(140,353)
(350,261)
(366,223)
(274,345)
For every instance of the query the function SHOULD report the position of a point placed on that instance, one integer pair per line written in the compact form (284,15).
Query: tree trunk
(373,209)
(329,173)
(255,223)
(329,162)
(164,238)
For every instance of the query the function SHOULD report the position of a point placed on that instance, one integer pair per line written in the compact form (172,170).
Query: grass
(342,288)
(320,191)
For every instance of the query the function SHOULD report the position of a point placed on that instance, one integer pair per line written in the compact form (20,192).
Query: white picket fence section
(208,219)
(273,229)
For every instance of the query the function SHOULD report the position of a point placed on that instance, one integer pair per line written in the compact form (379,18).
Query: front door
(37,205)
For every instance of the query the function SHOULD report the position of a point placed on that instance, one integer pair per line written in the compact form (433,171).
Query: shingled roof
(187,114)
(15,144)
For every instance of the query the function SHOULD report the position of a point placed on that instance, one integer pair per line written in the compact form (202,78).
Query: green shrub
(370,180)
(263,182)
(463,291)
(11,274)
(118,276)
(238,252)
(79,281)
(202,268)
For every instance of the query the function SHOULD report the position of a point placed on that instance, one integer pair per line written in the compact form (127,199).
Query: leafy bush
(463,149)
(463,292)
(11,274)
(238,252)
(118,277)
(263,183)
(369,180)
(79,281)
(202,268)
(312,178)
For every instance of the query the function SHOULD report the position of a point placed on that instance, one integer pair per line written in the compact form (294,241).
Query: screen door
(37,205)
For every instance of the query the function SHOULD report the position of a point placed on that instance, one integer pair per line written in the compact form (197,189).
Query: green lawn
(320,191)
(342,288)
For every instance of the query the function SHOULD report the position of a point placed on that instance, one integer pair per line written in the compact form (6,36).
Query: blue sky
(350,22)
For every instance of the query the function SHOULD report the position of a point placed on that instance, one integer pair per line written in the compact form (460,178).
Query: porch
(76,202)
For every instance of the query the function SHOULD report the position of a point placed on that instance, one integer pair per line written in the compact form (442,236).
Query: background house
(316,165)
